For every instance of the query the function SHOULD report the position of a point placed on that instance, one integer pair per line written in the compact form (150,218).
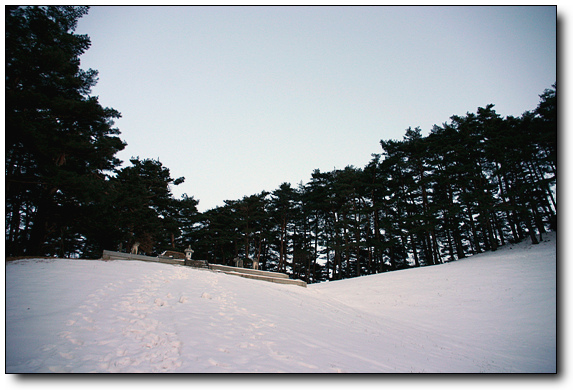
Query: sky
(242,99)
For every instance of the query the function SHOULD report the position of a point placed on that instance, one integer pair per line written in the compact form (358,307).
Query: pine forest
(472,184)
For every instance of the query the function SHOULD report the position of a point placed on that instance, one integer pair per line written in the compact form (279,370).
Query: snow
(491,313)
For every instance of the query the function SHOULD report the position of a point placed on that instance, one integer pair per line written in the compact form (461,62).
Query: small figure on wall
(135,248)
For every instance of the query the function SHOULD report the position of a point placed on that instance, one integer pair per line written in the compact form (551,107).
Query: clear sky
(241,99)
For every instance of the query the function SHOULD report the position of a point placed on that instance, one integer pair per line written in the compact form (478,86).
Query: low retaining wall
(280,280)
(267,276)
(111,255)
(226,268)
(196,263)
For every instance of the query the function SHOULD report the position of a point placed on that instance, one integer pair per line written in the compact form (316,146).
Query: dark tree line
(472,184)
(65,193)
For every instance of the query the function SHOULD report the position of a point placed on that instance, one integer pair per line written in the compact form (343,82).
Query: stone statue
(135,248)
(189,253)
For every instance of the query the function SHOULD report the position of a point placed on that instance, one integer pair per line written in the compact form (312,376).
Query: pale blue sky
(241,99)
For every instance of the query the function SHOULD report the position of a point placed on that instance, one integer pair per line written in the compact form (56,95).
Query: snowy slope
(494,312)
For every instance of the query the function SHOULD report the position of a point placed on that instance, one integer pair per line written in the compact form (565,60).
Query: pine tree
(186,216)
(142,202)
(217,238)
(282,210)
(60,142)
(316,199)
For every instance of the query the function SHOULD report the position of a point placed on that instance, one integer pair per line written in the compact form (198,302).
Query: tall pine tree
(60,142)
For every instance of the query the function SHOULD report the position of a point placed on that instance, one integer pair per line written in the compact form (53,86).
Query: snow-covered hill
(494,312)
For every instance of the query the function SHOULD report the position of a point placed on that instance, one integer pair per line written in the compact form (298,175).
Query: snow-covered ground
(494,312)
